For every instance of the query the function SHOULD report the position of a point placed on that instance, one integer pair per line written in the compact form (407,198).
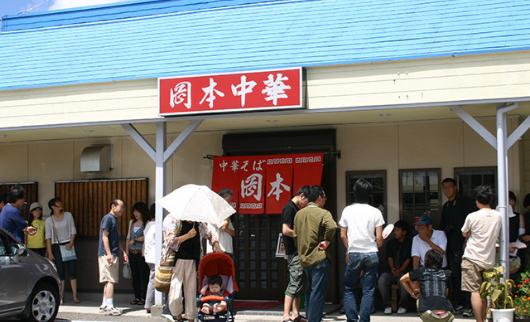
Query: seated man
(433,302)
(426,240)
(396,263)
(213,295)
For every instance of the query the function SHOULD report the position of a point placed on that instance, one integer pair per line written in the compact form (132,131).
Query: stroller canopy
(219,264)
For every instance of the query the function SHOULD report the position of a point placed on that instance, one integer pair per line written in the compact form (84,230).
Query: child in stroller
(213,296)
(217,280)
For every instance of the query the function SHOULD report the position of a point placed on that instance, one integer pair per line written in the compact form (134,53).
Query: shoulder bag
(164,271)
(67,255)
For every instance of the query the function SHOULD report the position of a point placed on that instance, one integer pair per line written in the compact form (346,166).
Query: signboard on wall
(263,184)
(231,92)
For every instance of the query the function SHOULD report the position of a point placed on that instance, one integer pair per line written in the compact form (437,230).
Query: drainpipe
(502,179)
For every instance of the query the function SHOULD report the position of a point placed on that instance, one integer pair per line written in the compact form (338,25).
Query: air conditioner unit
(96,158)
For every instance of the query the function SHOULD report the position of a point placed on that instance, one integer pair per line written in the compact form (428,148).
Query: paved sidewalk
(88,310)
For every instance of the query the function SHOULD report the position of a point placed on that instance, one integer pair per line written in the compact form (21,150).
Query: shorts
(109,273)
(296,275)
(471,276)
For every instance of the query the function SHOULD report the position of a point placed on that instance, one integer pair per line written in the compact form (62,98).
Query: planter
(522,319)
(505,315)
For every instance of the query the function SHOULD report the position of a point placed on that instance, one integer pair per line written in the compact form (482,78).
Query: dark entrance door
(261,275)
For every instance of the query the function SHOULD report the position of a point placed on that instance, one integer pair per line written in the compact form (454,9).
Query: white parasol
(197,203)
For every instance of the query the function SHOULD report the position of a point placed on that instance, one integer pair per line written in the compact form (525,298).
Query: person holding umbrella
(192,209)
(186,241)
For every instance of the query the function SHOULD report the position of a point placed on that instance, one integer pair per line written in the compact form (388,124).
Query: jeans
(140,275)
(367,264)
(385,282)
(317,284)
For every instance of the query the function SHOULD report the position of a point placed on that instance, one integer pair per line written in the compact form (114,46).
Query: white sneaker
(388,310)
(113,311)
(401,310)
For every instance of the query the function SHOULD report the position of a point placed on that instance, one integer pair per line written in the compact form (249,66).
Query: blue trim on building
(121,10)
(255,36)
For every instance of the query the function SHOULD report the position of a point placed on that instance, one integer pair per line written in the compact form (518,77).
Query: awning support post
(502,179)
(519,132)
(475,126)
(502,144)
(160,155)
(160,189)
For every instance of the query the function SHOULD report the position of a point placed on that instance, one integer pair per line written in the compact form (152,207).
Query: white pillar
(160,187)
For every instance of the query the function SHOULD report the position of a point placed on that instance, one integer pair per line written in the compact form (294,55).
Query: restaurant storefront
(400,124)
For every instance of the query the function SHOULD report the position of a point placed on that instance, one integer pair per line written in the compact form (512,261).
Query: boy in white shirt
(361,231)
(481,229)
(427,239)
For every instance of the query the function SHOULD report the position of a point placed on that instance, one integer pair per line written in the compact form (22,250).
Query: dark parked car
(29,284)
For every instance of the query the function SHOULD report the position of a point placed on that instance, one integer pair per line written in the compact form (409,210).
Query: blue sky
(12,7)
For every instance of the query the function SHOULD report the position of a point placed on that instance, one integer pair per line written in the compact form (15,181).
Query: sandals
(135,302)
(76,301)
(300,318)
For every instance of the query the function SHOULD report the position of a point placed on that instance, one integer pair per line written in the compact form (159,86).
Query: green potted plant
(498,292)
(522,298)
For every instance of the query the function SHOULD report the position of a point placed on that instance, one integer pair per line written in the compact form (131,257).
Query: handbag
(67,255)
(126,271)
(164,271)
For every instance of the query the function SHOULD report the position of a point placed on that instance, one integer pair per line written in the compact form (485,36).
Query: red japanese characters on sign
(263,184)
(235,92)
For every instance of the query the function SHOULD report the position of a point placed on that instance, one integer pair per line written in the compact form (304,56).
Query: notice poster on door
(263,184)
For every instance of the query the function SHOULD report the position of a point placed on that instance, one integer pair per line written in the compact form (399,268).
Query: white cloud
(65,4)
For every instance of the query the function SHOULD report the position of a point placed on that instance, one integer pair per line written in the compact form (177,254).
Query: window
(472,177)
(419,194)
(378,180)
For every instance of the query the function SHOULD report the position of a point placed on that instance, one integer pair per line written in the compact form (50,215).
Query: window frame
(478,169)
(368,173)
(440,199)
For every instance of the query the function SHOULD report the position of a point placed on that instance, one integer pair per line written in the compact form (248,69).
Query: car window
(8,246)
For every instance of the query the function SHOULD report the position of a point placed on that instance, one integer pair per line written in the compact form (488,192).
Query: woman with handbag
(60,237)
(134,247)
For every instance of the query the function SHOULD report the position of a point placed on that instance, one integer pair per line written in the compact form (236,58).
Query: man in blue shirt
(109,253)
(11,218)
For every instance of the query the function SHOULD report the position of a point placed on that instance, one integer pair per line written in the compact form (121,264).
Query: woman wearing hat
(36,242)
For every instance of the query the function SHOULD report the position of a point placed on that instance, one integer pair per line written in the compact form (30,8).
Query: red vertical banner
(226,177)
(279,183)
(252,185)
(264,184)
(307,170)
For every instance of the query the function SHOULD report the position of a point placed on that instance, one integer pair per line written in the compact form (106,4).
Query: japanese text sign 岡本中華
(234,92)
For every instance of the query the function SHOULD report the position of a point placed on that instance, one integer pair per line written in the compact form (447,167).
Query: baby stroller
(223,265)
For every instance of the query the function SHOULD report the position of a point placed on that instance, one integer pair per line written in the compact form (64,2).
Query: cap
(425,220)
(34,206)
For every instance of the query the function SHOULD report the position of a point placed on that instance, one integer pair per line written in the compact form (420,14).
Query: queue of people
(421,260)
(424,262)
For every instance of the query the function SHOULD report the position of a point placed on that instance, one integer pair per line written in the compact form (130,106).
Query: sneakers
(401,310)
(467,313)
(102,309)
(388,310)
(113,311)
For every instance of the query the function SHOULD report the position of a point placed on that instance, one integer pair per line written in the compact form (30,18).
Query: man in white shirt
(426,240)
(361,231)
(481,229)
